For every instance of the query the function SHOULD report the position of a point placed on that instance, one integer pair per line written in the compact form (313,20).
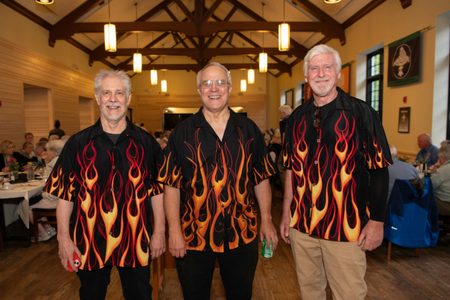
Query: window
(374,81)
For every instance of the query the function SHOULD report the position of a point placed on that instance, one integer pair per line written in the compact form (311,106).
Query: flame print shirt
(330,164)
(216,179)
(110,186)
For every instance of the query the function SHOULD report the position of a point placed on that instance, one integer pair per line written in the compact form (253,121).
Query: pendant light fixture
(137,57)
(243,81)
(153,73)
(110,34)
(251,72)
(284,33)
(331,1)
(263,55)
(164,81)
(45,2)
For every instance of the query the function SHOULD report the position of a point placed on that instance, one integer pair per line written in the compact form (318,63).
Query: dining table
(25,190)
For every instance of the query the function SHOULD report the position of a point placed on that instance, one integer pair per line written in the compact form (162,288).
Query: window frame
(378,77)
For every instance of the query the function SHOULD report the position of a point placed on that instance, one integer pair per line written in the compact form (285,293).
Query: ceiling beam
(211,10)
(151,13)
(362,12)
(27,13)
(190,29)
(322,16)
(194,53)
(185,10)
(197,67)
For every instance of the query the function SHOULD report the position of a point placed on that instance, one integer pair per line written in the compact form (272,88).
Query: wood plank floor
(35,273)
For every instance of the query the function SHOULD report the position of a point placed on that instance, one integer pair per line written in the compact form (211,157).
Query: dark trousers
(237,269)
(135,283)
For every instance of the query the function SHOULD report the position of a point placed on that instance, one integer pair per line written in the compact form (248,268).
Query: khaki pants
(343,264)
(443,207)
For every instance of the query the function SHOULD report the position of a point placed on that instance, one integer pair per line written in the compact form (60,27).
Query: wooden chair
(39,213)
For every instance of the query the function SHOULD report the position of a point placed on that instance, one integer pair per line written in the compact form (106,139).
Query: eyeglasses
(317,117)
(209,83)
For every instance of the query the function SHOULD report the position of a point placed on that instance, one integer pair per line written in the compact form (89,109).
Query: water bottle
(12,178)
(30,171)
(267,253)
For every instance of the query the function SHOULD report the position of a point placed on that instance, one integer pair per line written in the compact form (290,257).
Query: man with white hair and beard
(336,210)
(105,179)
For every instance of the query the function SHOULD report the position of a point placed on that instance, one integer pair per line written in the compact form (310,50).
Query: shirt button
(113,167)
(315,162)
(223,205)
(220,224)
(222,186)
(313,185)
(318,140)
(112,189)
(110,233)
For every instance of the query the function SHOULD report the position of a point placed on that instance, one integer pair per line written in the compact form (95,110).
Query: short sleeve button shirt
(216,179)
(110,186)
(329,166)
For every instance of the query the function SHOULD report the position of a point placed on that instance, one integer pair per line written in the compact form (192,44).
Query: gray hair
(215,64)
(103,74)
(444,152)
(27,144)
(55,146)
(286,109)
(41,145)
(321,49)
(394,152)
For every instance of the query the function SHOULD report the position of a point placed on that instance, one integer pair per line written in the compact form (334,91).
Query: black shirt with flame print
(216,179)
(330,166)
(110,186)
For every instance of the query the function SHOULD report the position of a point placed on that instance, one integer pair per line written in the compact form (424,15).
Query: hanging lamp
(164,81)
(263,55)
(110,34)
(284,33)
(243,81)
(251,72)
(137,57)
(153,73)
(45,2)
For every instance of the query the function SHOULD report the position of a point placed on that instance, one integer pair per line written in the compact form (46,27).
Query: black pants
(237,269)
(135,283)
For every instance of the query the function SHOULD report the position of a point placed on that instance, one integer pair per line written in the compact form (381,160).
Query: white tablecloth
(25,190)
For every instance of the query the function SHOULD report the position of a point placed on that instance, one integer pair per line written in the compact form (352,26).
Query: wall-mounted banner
(404,60)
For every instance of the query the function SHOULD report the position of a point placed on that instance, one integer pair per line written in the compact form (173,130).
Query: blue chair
(412,219)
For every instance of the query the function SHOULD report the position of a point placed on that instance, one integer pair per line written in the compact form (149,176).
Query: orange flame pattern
(324,177)
(112,225)
(220,187)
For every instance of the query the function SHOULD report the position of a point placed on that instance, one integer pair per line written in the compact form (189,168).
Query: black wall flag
(404,60)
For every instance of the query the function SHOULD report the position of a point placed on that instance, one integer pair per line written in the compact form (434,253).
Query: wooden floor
(35,273)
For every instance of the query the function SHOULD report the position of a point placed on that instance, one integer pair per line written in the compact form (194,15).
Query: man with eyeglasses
(336,183)
(216,166)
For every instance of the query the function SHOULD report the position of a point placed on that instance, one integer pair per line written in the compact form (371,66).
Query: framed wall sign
(404,119)
(290,97)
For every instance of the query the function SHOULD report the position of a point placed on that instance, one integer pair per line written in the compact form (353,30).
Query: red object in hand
(76,262)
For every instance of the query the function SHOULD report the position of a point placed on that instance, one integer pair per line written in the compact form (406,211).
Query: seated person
(29,137)
(8,156)
(441,181)
(275,147)
(428,152)
(27,150)
(46,232)
(399,169)
(40,149)
(53,137)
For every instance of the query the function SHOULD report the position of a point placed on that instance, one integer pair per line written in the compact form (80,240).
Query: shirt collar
(342,102)
(200,121)
(97,130)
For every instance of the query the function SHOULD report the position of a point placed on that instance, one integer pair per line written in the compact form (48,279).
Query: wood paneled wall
(37,113)
(19,66)
(150,109)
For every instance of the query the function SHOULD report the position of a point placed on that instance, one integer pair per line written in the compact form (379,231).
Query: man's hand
(373,234)
(269,232)
(158,244)
(284,228)
(177,244)
(66,250)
